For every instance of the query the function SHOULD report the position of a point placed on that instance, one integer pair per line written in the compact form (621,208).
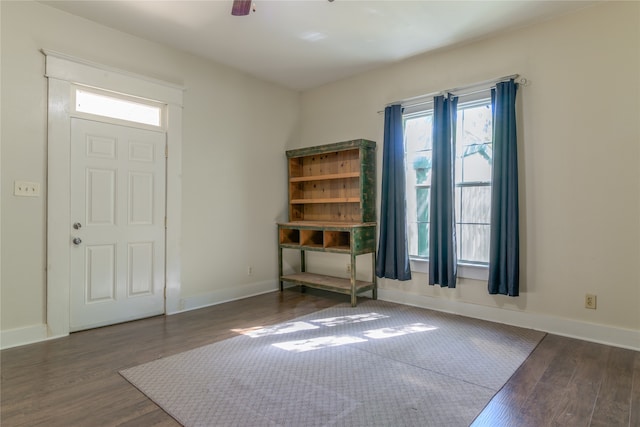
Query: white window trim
(62,71)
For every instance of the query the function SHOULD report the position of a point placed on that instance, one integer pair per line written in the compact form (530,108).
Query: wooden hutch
(331,209)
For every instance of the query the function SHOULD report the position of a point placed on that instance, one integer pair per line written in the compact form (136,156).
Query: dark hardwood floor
(74,381)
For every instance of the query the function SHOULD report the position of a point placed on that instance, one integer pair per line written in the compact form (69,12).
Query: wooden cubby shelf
(325,177)
(312,238)
(331,209)
(289,236)
(337,240)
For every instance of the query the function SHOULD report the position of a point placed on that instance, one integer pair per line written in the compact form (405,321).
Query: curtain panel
(442,226)
(393,254)
(504,253)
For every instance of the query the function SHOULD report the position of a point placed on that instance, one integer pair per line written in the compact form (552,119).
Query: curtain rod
(408,101)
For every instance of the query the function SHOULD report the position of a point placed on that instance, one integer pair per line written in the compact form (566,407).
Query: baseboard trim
(225,295)
(23,336)
(37,333)
(602,334)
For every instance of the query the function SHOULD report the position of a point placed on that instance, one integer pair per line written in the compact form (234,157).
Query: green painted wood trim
(338,146)
(363,240)
(368,184)
(346,227)
(315,249)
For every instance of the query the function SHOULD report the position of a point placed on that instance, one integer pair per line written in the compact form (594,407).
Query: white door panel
(118,198)
(100,197)
(100,273)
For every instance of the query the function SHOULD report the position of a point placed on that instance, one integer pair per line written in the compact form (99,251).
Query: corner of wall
(223,295)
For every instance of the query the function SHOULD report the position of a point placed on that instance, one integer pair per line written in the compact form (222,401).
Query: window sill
(466,271)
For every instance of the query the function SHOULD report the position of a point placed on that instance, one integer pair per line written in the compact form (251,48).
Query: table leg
(374,279)
(303,268)
(353,281)
(280,268)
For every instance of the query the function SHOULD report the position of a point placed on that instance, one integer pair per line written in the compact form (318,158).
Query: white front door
(117,229)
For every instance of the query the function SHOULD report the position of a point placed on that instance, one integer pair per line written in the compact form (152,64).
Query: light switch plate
(26,189)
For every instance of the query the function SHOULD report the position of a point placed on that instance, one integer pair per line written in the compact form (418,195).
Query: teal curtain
(504,253)
(442,225)
(393,255)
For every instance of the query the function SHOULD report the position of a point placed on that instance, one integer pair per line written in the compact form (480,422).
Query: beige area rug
(378,364)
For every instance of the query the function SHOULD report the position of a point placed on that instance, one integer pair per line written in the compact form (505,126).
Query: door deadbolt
(77,225)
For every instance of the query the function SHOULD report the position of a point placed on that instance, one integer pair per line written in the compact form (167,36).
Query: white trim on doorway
(62,72)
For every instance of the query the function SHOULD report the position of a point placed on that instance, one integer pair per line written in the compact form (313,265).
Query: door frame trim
(62,71)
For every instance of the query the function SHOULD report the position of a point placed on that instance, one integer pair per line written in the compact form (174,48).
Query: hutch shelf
(331,209)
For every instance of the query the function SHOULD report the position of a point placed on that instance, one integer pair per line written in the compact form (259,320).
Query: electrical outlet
(348,268)
(590,301)
(250,270)
(26,189)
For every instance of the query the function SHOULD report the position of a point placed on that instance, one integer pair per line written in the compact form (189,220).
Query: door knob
(77,225)
(77,240)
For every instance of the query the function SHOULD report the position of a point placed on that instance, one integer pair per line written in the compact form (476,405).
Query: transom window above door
(117,107)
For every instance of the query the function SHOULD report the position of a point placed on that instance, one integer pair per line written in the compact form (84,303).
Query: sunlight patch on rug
(398,331)
(285,328)
(350,319)
(318,343)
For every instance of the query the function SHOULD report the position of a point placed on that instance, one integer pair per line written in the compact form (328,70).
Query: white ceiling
(306,43)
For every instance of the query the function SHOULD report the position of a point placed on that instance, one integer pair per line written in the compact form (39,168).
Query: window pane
(458,242)
(473,148)
(476,124)
(412,231)
(411,204)
(476,164)
(419,168)
(117,108)
(422,197)
(474,242)
(457,204)
(417,133)
(475,204)
(423,239)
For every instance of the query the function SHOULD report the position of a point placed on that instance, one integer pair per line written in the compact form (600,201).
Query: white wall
(579,172)
(235,130)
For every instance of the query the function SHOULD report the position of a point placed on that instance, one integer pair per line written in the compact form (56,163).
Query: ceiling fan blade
(241,7)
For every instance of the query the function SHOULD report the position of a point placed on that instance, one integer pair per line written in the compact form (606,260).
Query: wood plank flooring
(74,381)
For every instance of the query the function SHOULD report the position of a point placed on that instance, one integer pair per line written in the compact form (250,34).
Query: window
(472,181)
(120,107)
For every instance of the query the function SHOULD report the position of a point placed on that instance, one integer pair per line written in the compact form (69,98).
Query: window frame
(466,269)
(162,108)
